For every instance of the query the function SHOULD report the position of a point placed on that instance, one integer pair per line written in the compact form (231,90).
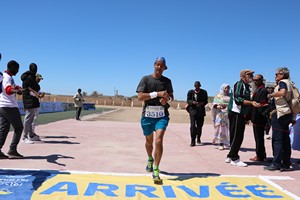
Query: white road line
(268,180)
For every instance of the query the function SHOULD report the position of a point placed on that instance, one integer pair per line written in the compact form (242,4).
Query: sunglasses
(256,79)
(278,74)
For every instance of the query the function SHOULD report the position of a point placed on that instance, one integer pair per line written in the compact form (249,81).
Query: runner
(156,90)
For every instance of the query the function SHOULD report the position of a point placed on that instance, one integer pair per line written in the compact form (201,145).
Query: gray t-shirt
(150,84)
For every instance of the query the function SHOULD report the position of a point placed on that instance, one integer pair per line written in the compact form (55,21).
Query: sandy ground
(128,114)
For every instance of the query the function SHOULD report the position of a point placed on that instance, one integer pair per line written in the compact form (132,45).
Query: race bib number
(154,111)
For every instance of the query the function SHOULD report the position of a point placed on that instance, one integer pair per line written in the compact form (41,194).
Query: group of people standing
(31,95)
(231,111)
(258,108)
(9,111)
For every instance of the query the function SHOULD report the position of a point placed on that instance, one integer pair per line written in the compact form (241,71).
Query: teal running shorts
(152,124)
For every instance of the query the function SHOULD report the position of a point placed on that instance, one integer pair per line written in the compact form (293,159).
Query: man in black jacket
(197,99)
(31,103)
(259,117)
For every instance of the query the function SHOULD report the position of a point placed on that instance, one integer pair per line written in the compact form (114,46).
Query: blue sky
(108,45)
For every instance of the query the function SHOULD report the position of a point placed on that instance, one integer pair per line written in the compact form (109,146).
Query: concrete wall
(106,100)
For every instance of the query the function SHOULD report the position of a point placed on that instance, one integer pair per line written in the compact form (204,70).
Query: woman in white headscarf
(220,116)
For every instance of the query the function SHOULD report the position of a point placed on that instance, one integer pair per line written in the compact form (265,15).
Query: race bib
(154,111)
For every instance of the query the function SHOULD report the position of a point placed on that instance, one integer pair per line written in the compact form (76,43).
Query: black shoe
(14,154)
(285,167)
(3,156)
(272,168)
(192,144)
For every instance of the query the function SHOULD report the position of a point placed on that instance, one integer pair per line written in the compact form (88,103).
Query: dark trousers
(281,142)
(237,128)
(10,116)
(259,132)
(196,121)
(78,111)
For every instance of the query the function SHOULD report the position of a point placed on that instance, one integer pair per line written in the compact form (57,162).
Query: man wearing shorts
(156,91)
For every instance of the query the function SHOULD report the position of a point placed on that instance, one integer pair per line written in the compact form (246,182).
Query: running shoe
(238,163)
(149,167)
(35,138)
(155,175)
(27,141)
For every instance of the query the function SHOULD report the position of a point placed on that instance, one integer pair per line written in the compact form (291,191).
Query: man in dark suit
(259,117)
(197,99)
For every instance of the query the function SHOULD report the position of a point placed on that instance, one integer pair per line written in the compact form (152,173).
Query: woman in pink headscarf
(220,116)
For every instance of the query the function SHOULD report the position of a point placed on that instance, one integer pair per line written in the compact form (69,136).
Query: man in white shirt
(9,111)
(78,101)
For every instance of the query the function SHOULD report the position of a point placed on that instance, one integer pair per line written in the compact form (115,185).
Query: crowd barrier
(49,107)
(88,106)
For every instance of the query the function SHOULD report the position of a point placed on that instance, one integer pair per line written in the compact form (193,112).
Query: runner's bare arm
(146,96)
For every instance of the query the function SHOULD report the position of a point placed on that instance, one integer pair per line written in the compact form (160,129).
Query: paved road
(126,114)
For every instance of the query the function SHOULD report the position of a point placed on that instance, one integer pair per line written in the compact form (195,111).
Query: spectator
(281,116)
(78,100)
(197,99)
(295,134)
(9,111)
(259,117)
(268,125)
(239,109)
(31,103)
(220,116)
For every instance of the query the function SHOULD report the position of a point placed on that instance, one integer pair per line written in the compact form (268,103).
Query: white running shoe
(228,160)
(238,163)
(27,141)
